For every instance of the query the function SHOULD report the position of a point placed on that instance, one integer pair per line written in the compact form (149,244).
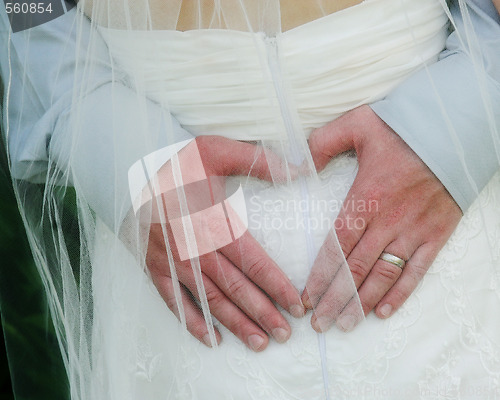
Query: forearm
(106,142)
(447,115)
(67,110)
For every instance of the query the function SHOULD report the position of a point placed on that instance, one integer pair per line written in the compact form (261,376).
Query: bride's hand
(239,278)
(404,210)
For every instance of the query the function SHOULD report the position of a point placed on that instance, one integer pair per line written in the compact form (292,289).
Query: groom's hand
(239,278)
(399,207)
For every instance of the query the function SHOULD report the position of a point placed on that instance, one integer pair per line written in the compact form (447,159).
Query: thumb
(224,157)
(330,140)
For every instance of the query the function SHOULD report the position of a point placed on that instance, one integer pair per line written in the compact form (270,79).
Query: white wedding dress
(443,343)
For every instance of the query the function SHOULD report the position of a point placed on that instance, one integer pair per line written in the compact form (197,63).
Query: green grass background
(36,369)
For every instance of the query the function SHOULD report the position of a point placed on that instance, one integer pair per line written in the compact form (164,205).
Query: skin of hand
(413,218)
(497,5)
(240,279)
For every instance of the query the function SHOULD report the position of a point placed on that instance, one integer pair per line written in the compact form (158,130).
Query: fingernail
(386,310)
(306,300)
(206,340)
(321,324)
(307,303)
(255,342)
(280,335)
(346,322)
(297,311)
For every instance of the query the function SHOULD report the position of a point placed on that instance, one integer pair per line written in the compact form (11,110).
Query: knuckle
(257,269)
(236,288)
(282,291)
(359,268)
(417,270)
(387,272)
(322,277)
(400,295)
(268,318)
(332,306)
(215,298)
(197,327)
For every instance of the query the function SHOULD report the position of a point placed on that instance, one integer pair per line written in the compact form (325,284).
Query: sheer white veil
(85,151)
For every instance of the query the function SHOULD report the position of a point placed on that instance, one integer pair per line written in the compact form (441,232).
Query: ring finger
(383,275)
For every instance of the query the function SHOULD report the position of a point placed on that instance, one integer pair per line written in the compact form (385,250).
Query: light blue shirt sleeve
(440,112)
(39,68)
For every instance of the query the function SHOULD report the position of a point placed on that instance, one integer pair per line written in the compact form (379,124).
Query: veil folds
(124,135)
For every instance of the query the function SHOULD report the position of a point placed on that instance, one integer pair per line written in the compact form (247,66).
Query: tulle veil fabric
(106,179)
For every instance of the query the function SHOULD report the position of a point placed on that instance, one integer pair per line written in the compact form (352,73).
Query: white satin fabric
(212,79)
(443,343)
